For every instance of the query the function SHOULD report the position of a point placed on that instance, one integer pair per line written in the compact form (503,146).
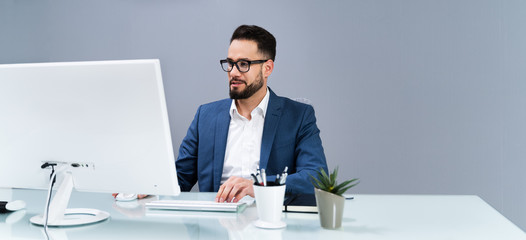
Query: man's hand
(139,196)
(234,189)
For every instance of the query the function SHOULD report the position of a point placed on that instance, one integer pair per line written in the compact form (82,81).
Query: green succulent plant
(328,183)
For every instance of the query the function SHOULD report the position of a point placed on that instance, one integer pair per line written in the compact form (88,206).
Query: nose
(235,72)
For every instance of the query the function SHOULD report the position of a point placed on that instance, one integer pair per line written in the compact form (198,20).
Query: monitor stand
(58,215)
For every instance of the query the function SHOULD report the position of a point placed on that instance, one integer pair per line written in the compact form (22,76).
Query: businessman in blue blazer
(255,129)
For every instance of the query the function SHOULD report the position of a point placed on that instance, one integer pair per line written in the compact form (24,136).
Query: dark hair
(265,40)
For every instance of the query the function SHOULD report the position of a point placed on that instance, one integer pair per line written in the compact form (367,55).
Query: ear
(268,67)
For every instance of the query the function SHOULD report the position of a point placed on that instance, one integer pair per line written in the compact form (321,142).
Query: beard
(249,90)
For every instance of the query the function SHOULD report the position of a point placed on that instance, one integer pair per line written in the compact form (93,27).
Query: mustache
(237,80)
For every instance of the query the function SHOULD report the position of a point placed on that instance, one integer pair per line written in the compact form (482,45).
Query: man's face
(244,85)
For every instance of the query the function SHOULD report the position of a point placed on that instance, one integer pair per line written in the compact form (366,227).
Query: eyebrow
(230,59)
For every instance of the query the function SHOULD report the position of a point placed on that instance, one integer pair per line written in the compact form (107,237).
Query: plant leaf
(315,182)
(342,189)
(324,176)
(328,182)
(325,180)
(334,175)
(347,182)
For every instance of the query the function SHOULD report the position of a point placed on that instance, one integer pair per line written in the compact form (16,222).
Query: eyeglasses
(242,65)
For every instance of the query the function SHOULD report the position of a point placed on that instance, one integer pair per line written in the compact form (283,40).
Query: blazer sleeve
(186,163)
(309,153)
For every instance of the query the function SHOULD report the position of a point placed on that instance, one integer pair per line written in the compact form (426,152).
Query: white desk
(366,217)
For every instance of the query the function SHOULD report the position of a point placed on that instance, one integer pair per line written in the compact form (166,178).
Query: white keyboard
(195,205)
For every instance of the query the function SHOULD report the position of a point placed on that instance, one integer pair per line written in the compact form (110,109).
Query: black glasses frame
(232,63)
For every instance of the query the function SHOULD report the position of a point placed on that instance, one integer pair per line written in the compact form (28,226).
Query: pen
(283,179)
(276,182)
(260,182)
(264,176)
(256,182)
(258,176)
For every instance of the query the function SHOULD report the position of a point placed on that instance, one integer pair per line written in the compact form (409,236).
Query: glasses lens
(244,66)
(226,65)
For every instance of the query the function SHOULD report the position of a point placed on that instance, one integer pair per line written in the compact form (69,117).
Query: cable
(52,180)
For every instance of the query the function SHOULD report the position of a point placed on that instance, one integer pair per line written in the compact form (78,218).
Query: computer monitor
(103,125)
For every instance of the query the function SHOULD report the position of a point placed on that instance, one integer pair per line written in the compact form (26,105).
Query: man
(231,138)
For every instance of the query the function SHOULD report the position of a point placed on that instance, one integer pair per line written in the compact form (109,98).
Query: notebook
(300,203)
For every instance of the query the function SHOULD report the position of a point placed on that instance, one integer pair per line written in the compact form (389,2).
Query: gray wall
(412,96)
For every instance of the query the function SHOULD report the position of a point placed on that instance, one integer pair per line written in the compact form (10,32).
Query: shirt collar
(262,106)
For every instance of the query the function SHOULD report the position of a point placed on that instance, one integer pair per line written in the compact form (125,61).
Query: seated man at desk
(254,129)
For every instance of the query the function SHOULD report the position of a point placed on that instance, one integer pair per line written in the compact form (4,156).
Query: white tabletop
(365,217)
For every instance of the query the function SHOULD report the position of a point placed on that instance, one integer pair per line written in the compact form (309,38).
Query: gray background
(411,96)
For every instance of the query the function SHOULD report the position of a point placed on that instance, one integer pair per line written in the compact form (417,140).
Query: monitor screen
(106,120)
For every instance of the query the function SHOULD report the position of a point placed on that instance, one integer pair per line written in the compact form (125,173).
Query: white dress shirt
(243,146)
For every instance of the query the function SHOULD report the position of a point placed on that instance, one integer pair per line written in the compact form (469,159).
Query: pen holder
(269,202)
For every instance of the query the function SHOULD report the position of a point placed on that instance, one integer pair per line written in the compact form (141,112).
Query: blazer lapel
(221,134)
(270,127)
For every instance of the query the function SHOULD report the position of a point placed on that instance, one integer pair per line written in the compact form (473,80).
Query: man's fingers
(241,194)
(234,189)
(228,189)
(243,188)
(233,193)
(219,193)
(225,190)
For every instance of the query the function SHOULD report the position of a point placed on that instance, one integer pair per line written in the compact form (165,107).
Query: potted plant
(329,197)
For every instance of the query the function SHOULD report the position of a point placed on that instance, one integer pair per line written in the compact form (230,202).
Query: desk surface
(365,217)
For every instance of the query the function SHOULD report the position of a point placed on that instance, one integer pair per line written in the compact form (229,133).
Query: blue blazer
(290,138)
